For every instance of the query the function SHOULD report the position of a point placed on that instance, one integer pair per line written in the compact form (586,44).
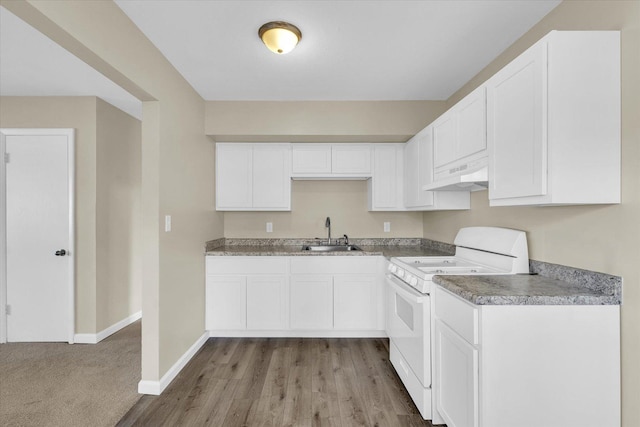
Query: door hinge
(6,157)
(8,310)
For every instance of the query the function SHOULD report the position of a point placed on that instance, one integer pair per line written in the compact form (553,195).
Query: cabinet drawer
(458,314)
(246,265)
(335,265)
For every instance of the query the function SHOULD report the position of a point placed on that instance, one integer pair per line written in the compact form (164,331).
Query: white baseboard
(214,333)
(157,387)
(96,338)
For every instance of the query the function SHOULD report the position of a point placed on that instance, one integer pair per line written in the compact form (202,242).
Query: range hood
(472,176)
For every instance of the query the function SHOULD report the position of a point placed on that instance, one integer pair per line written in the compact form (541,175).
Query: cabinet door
(410,172)
(226,302)
(311,159)
(462,131)
(351,159)
(233,176)
(311,302)
(516,128)
(418,169)
(444,139)
(456,370)
(471,116)
(266,302)
(272,176)
(386,183)
(355,302)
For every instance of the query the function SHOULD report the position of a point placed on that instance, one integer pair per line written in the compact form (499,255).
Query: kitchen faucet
(327,224)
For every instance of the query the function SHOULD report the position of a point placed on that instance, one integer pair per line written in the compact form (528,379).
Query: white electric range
(479,251)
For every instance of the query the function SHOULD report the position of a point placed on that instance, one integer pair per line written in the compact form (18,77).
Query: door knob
(61,252)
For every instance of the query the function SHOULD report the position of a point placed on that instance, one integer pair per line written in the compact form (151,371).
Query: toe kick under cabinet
(526,365)
(298,296)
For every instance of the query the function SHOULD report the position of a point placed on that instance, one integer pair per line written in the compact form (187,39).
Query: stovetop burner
(479,250)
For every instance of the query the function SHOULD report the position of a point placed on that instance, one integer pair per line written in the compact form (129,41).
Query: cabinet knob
(61,252)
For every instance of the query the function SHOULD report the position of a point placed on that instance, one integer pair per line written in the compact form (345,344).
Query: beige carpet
(55,384)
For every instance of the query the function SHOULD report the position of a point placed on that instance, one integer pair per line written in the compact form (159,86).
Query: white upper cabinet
(311,159)
(418,169)
(272,176)
(385,185)
(460,138)
(351,159)
(234,176)
(444,130)
(331,161)
(554,122)
(418,172)
(471,115)
(253,177)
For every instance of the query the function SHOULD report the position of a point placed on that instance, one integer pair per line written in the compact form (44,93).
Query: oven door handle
(405,291)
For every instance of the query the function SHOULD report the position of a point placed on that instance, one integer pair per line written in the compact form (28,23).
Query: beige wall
(78,113)
(118,216)
(177,165)
(601,238)
(318,121)
(312,201)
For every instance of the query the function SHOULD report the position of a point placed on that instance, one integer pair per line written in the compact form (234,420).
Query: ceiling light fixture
(280,37)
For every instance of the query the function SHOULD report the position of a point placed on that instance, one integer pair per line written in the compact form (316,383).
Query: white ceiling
(31,64)
(350,50)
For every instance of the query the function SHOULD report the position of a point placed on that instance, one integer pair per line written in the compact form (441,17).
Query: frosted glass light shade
(280,37)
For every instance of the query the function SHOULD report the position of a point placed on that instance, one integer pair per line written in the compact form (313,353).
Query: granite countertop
(394,247)
(523,289)
(295,250)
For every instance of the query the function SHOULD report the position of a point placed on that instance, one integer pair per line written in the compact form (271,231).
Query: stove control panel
(409,277)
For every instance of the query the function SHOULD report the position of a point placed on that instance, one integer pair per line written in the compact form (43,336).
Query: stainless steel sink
(331,248)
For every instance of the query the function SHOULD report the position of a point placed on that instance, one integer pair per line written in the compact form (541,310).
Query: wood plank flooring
(273,382)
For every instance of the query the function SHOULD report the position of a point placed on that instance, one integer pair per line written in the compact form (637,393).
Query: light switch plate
(167,223)
(387,227)
(269,227)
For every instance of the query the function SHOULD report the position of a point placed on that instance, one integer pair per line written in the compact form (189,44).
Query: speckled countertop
(524,290)
(411,247)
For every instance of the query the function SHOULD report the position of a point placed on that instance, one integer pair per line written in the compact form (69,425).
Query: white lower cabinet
(526,365)
(457,376)
(355,302)
(294,296)
(246,302)
(311,300)
(266,302)
(246,293)
(334,302)
(225,300)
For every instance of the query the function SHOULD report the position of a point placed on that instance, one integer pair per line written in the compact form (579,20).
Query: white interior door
(39,235)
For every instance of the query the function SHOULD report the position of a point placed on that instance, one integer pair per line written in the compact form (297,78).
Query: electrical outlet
(167,223)
(387,227)
(269,227)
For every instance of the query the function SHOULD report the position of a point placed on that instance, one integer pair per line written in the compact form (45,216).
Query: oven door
(408,315)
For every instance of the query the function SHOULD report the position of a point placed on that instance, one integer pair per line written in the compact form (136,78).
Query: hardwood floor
(282,382)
